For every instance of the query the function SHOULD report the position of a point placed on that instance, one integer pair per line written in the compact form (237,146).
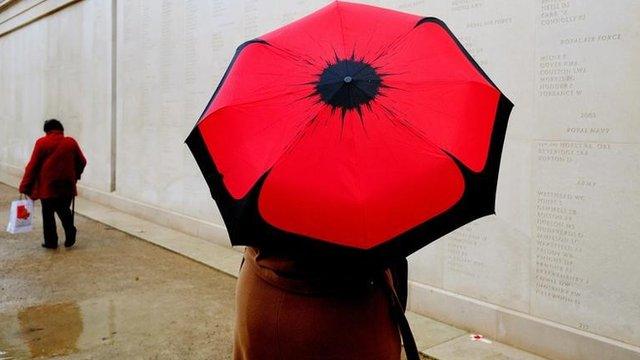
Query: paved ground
(116,296)
(112,296)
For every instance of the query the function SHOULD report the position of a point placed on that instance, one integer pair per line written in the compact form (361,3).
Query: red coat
(55,166)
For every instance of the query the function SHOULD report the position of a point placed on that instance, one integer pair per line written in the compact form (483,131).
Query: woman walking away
(51,175)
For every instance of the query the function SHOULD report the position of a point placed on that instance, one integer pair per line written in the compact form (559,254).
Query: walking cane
(73,210)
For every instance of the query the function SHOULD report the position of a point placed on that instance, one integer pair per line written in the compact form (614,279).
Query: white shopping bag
(20,216)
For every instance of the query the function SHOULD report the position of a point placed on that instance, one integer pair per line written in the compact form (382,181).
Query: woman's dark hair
(52,124)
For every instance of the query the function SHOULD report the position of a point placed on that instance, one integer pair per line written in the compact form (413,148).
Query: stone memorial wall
(58,66)
(556,271)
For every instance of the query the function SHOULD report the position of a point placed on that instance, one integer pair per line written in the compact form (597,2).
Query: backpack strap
(397,310)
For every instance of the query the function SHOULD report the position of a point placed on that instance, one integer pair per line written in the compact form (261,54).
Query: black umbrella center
(348,84)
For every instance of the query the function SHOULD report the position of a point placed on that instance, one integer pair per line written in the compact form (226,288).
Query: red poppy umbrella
(355,129)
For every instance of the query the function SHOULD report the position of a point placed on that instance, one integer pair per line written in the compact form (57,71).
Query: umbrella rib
(433,109)
(408,126)
(302,132)
(344,43)
(374,31)
(292,54)
(330,96)
(298,59)
(386,49)
(253,102)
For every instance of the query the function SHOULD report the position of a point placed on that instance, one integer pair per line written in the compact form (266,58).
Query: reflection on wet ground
(51,329)
(111,297)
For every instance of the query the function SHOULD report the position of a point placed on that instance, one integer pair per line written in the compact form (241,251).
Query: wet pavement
(117,296)
(111,296)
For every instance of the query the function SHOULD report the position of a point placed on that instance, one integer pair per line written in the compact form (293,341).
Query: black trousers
(62,207)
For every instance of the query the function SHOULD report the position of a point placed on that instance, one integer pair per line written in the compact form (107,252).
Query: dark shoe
(71,239)
(52,247)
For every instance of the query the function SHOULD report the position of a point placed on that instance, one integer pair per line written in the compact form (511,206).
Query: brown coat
(287,309)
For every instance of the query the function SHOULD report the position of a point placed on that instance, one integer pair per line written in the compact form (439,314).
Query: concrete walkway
(116,296)
(112,296)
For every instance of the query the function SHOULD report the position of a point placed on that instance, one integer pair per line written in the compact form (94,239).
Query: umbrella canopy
(355,129)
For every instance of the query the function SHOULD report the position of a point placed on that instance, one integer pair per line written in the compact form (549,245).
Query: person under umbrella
(334,147)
